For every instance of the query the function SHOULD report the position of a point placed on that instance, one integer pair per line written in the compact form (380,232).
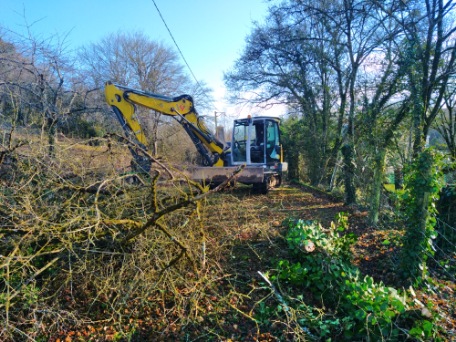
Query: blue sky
(210,33)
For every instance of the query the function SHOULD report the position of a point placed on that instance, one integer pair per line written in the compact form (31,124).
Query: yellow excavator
(255,141)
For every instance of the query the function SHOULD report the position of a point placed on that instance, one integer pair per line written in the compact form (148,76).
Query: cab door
(248,144)
(272,147)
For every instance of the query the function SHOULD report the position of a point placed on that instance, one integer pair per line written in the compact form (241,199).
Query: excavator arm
(123,101)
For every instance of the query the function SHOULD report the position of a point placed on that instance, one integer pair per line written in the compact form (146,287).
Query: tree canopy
(354,74)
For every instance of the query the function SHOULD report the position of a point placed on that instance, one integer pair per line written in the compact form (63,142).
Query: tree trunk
(413,259)
(51,136)
(293,165)
(398,178)
(417,242)
(349,173)
(376,192)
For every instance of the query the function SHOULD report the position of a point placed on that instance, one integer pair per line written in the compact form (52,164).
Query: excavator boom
(123,100)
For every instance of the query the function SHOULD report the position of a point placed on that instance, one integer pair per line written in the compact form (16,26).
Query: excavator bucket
(249,175)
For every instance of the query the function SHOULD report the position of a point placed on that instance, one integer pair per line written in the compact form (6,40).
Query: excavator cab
(256,141)
(256,144)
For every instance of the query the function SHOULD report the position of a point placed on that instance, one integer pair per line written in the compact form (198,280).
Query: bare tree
(287,61)
(446,122)
(37,81)
(134,60)
(429,48)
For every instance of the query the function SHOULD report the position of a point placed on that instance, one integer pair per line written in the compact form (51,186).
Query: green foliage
(316,249)
(422,330)
(422,184)
(329,240)
(291,131)
(446,206)
(307,149)
(364,307)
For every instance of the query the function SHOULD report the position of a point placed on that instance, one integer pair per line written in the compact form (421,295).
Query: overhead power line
(177,46)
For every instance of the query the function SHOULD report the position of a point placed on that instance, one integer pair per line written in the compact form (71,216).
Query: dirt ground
(245,234)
